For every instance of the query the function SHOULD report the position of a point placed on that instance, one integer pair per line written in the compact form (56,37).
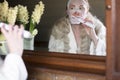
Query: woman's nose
(76,14)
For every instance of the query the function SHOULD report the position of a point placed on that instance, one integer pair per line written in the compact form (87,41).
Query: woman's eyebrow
(72,5)
(81,5)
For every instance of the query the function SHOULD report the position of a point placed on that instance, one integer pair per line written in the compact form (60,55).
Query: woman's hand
(14,38)
(90,31)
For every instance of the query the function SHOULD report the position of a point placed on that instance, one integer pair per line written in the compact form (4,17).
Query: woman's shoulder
(62,20)
(62,25)
(97,22)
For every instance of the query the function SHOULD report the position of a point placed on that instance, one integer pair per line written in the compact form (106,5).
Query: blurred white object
(26,34)
(89,24)
(79,20)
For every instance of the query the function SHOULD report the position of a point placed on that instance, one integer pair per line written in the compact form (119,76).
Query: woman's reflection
(79,32)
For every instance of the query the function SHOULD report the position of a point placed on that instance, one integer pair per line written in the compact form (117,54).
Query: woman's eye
(71,8)
(80,8)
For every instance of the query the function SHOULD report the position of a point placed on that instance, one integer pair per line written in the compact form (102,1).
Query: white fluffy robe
(58,45)
(99,50)
(62,39)
(13,68)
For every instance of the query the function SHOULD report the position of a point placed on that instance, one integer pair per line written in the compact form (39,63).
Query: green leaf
(32,26)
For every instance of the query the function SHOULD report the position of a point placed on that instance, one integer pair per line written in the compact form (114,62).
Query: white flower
(3,11)
(34,32)
(36,16)
(37,13)
(12,14)
(23,14)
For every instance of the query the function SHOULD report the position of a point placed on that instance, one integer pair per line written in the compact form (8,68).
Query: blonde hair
(84,1)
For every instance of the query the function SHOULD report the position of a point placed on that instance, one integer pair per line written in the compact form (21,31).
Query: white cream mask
(76,9)
(77,12)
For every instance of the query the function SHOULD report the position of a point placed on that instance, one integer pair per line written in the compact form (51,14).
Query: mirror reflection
(79,32)
(71,26)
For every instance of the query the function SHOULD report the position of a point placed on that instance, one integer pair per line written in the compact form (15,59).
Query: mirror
(55,9)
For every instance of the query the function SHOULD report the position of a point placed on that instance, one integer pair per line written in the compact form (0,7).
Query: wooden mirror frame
(108,66)
(113,47)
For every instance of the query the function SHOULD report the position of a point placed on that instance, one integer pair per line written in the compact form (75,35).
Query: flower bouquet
(23,16)
(34,20)
(20,15)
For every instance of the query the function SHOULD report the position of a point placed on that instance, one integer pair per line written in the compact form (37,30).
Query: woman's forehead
(77,2)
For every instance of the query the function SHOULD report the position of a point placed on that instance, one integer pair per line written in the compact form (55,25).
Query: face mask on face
(77,11)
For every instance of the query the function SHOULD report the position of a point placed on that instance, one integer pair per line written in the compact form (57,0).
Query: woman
(79,32)
(13,68)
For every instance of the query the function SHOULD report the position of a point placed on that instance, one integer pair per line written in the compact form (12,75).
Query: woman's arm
(13,67)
